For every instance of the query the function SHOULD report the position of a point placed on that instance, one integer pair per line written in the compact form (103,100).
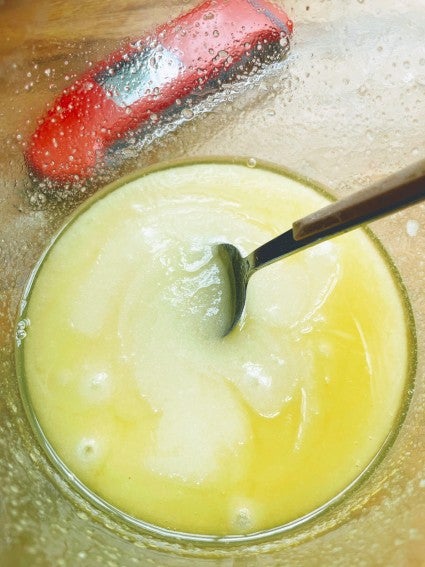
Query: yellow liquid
(175,426)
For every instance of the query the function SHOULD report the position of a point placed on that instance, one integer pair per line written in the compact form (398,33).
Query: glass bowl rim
(142,527)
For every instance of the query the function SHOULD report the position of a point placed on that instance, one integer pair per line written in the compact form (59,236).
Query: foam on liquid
(160,417)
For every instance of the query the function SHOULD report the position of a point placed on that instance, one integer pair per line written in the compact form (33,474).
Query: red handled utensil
(150,77)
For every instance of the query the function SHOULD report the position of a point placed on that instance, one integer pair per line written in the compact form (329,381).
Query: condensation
(346,106)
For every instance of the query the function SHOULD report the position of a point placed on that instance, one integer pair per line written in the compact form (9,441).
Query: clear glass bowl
(347,107)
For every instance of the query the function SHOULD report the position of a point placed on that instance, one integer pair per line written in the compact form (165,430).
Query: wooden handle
(388,195)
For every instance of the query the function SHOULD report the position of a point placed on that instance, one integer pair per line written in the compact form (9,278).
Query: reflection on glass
(140,74)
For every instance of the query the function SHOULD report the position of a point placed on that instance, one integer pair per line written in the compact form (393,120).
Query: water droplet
(370,135)
(284,41)
(187,113)
(34,455)
(412,227)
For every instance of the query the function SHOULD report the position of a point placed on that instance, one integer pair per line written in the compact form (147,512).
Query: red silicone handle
(145,78)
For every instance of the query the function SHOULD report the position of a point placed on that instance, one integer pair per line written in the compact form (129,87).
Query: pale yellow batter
(162,418)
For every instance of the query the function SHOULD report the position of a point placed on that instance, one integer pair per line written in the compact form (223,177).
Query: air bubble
(252,162)
(89,450)
(96,386)
(242,517)
(21,330)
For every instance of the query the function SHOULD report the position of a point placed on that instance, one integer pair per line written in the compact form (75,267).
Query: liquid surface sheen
(171,424)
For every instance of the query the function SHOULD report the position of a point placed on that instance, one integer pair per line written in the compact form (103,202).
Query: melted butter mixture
(173,425)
